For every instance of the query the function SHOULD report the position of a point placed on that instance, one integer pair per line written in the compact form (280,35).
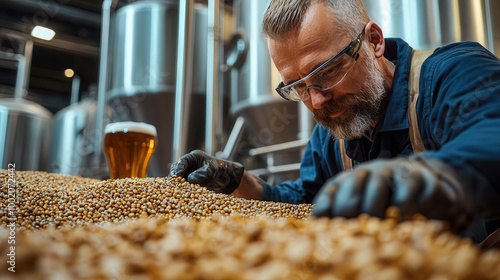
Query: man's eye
(330,71)
(300,86)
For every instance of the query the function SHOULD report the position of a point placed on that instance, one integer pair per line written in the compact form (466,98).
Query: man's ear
(374,35)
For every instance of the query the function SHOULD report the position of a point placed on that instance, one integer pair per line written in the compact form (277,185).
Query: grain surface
(165,228)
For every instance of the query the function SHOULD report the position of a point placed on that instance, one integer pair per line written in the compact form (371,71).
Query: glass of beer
(129,147)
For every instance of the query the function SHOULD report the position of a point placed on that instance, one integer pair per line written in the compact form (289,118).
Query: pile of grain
(45,198)
(224,238)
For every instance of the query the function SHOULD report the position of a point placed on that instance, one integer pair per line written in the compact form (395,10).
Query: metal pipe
(23,59)
(275,169)
(107,7)
(212,109)
(21,68)
(489,26)
(28,54)
(75,89)
(20,63)
(278,147)
(77,47)
(305,121)
(183,78)
(233,139)
(219,129)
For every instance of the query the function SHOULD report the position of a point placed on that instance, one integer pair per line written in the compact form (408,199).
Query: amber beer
(129,147)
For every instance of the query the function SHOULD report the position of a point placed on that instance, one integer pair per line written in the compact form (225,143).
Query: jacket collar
(395,116)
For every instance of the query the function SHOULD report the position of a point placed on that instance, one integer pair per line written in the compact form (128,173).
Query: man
(420,129)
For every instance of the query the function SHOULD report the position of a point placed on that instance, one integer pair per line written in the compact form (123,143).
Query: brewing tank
(253,82)
(73,136)
(429,24)
(143,73)
(268,119)
(24,134)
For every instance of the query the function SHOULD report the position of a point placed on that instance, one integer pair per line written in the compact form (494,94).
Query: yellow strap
(347,163)
(417,59)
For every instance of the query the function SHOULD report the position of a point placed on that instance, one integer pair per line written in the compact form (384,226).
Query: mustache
(335,105)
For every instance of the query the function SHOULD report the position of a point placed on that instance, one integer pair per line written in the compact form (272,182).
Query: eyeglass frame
(347,50)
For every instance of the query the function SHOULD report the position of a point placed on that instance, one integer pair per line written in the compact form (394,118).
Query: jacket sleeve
(461,119)
(319,162)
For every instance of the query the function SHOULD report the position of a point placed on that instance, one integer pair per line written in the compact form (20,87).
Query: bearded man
(417,130)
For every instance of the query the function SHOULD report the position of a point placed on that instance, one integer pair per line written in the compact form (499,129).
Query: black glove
(218,175)
(414,185)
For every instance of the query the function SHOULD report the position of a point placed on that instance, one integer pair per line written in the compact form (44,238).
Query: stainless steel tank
(24,134)
(253,83)
(73,135)
(466,20)
(144,73)
(416,21)
(268,118)
(388,15)
(494,9)
(24,125)
(429,24)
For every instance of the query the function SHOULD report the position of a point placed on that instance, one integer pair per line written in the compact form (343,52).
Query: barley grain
(167,228)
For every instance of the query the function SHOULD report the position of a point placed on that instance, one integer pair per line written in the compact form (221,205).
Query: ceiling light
(69,73)
(43,33)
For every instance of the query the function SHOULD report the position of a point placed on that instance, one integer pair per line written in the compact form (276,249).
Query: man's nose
(319,98)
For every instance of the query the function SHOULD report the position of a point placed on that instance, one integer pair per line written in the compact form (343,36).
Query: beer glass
(129,147)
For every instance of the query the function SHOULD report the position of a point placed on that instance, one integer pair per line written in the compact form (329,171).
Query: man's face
(353,105)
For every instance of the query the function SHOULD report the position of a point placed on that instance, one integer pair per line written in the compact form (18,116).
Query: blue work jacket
(458,115)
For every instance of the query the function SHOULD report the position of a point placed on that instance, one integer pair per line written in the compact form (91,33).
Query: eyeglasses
(327,75)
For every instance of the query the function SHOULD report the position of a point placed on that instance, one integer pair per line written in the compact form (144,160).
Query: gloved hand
(414,185)
(218,175)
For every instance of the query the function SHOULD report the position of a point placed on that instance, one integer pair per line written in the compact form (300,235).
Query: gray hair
(285,16)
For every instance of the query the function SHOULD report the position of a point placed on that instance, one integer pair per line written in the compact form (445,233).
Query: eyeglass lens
(327,77)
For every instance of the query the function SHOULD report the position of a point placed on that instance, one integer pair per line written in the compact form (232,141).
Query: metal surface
(269,119)
(254,79)
(233,140)
(429,24)
(24,125)
(416,21)
(18,63)
(449,21)
(490,26)
(183,80)
(24,134)
(143,75)
(212,109)
(72,140)
(388,14)
(473,25)
(75,89)
(255,84)
(145,48)
(301,143)
(273,170)
(306,122)
(494,9)
(108,7)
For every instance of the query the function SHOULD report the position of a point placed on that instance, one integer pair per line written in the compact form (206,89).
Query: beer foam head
(138,127)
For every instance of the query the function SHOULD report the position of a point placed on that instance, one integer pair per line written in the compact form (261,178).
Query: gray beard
(361,109)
